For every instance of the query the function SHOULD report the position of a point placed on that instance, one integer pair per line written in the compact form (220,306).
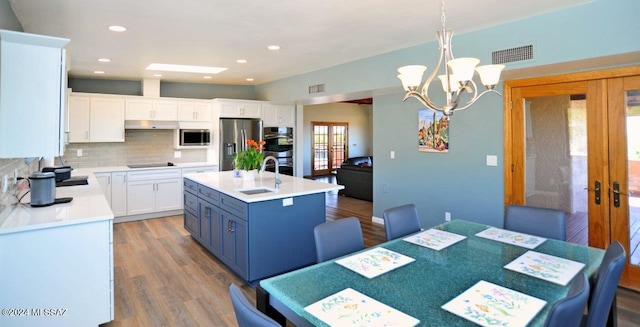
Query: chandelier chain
(442,16)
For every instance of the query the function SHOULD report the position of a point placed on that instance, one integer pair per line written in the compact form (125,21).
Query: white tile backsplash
(140,147)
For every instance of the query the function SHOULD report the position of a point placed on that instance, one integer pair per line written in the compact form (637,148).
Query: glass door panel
(633,155)
(556,159)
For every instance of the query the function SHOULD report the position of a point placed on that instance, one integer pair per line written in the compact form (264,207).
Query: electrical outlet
(79,153)
(392,154)
(177,154)
(447,216)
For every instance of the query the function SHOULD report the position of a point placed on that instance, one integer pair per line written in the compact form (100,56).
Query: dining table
(435,277)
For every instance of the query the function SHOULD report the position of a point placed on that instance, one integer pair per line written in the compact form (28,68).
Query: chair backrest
(337,238)
(606,283)
(568,311)
(543,222)
(246,314)
(401,221)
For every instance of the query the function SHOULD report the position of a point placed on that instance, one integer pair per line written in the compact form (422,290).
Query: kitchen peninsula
(257,230)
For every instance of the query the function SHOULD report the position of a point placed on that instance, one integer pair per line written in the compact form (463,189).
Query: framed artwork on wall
(433,131)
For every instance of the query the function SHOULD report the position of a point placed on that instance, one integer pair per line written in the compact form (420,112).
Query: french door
(572,142)
(329,146)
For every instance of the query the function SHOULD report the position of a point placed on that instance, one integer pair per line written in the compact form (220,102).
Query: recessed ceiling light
(186,68)
(117,28)
(241,61)
(249,79)
(157,75)
(274,47)
(207,77)
(104,60)
(98,72)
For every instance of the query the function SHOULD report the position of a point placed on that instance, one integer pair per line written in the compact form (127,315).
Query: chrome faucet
(275,161)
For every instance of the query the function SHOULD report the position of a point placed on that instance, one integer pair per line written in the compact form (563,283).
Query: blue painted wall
(459,181)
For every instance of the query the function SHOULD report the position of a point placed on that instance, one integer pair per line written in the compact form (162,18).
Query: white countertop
(291,186)
(88,205)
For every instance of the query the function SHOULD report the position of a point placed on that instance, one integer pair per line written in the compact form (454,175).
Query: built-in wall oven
(279,143)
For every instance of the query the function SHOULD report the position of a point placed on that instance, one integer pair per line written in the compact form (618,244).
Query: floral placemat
(352,308)
(435,239)
(511,237)
(375,262)
(488,304)
(550,268)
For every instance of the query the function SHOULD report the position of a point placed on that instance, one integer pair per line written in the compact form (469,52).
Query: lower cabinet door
(205,209)
(234,243)
(140,197)
(168,194)
(191,224)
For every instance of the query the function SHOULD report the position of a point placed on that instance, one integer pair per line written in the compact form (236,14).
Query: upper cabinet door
(197,111)
(32,73)
(138,109)
(107,120)
(238,108)
(78,110)
(275,116)
(165,110)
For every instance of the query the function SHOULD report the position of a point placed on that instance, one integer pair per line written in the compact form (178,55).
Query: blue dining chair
(246,314)
(605,286)
(337,238)
(400,221)
(543,222)
(568,311)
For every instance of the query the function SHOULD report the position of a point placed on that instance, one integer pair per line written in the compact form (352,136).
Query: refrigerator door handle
(244,139)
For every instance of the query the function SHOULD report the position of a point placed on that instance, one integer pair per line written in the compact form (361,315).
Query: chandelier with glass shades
(457,77)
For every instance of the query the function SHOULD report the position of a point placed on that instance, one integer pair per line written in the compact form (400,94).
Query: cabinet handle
(230,226)
(109,180)
(86,135)
(207,212)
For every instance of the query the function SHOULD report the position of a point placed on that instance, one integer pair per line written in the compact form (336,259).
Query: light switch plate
(492,160)
(392,154)
(287,202)
(79,153)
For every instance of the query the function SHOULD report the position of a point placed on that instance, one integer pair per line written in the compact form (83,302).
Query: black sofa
(356,174)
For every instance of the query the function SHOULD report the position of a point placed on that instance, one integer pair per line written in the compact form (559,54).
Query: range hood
(150,124)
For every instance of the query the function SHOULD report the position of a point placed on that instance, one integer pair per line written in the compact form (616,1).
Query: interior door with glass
(624,151)
(329,146)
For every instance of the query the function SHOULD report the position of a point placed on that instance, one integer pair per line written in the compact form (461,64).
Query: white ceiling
(312,34)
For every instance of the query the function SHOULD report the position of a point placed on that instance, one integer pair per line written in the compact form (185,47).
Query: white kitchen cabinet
(151,109)
(194,111)
(114,187)
(33,80)
(154,190)
(78,111)
(65,266)
(276,116)
(96,119)
(231,108)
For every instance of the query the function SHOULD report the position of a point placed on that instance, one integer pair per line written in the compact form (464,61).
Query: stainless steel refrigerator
(234,134)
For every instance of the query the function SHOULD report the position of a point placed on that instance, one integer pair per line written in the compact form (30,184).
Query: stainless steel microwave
(194,137)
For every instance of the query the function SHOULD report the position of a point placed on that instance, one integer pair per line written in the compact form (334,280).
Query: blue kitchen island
(256,230)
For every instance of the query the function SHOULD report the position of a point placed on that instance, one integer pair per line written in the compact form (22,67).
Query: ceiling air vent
(318,88)
(512,55)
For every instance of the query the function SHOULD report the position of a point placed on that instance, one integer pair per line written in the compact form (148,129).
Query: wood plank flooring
(165,278)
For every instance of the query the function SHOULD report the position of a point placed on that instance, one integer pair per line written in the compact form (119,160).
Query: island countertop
(290,186)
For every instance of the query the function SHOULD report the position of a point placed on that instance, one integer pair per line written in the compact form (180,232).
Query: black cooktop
(151,165)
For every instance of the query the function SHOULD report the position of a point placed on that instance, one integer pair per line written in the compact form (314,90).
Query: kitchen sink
(258,190)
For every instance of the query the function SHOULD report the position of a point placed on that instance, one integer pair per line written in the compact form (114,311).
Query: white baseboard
(377,220)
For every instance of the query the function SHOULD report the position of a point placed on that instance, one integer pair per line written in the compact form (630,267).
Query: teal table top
(419,289)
